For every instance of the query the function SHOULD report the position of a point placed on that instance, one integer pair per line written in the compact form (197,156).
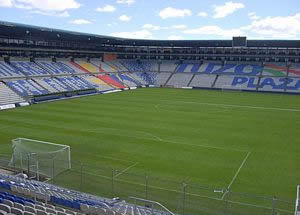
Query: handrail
(152,202)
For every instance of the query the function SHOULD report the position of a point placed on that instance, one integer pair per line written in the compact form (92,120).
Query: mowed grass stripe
(167,138)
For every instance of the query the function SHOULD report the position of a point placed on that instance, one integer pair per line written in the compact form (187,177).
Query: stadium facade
(40,64)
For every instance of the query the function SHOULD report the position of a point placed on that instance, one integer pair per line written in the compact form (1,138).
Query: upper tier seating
(125,79)
(56,67)
(203,80)
(7,70)
(278,70)
(28,68)
(87,66)
(180,79)
(117,65)
(294,70)
(168,66)
(233,69)
(141,66)
(7,96)
(100,85)
(103,67)
(26,87)
(71,66)
(188,67)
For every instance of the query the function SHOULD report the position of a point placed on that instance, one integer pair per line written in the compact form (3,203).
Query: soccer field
(244,142)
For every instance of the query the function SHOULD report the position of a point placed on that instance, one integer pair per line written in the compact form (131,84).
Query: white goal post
(40,157)
(297,207)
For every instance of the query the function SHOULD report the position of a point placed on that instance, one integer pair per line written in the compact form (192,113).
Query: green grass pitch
(249,142)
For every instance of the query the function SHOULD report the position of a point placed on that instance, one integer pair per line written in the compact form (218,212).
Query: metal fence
(179,196)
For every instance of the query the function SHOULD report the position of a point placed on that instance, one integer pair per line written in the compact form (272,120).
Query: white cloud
(6,3)
(175,37)
(202,14)
(125,18)
(49,5)
(253,16)
(112,24)
(106,9)
(178,26)
(51,13)
(279,27)
(228,8)
(143,34)
(43,7)
(170,12)
(152,27)
(214,30)
(129,2)
(81,22)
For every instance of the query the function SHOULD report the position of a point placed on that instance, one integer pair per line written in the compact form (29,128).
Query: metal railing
(178,196)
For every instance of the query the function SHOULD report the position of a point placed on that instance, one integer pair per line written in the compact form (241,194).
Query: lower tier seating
(203,80)
(180,79)
(7,96)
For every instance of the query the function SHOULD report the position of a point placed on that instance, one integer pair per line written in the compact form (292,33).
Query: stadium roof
(21,31)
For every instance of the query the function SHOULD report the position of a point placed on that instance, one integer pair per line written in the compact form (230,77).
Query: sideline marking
(237,173)
(123,171)
(236,106)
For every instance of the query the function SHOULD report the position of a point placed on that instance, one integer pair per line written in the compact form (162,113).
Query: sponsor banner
(187,88)
(5,107)
(22,104)
(133,88)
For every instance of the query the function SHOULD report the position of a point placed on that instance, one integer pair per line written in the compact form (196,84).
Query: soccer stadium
(112,125)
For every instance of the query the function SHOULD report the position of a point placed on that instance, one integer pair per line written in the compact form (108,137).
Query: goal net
(39,157)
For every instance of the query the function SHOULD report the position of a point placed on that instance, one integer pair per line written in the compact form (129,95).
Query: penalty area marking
(237,173)
(126,169)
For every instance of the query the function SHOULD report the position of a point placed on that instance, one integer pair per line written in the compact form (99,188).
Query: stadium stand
(28,68)
(168,66)
(180,79)
(55,68)
(117,65)
(98,83)
(26,197)
(26,87)
(277,70)
(103,67)
(272,84)
(7,96)
(294,70)
(126,79)
(112,82)
(203,80)
(71,66)
(7,71)
(188,67)
(236,82)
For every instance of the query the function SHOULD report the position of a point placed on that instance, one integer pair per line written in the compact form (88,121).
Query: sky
(162,19)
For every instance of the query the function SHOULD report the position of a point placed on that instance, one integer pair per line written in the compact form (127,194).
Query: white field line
(237,173)
(156,138)
(236,106)
(117,159)
(123,171)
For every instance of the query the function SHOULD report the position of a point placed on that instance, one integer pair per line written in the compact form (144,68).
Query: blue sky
(162,19)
